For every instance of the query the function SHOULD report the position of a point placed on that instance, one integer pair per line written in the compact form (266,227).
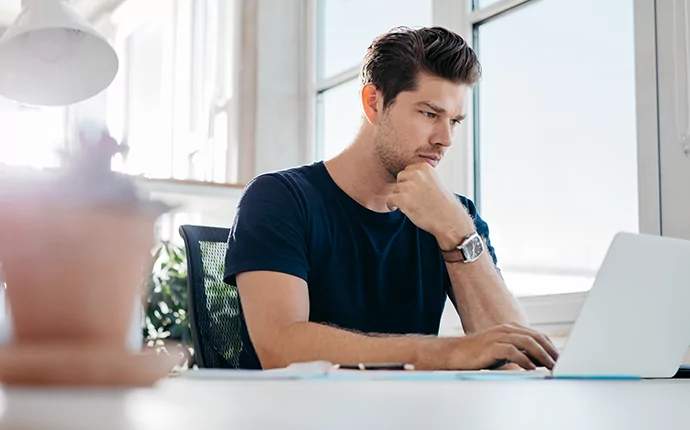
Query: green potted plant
(165,312)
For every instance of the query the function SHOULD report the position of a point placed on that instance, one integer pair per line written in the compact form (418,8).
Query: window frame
(554,314)
(322,85)
(129,14)
(673,113)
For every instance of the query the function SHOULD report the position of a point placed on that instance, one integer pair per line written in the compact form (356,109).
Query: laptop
(635,321)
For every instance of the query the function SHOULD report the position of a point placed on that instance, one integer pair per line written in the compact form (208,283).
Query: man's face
(419,125)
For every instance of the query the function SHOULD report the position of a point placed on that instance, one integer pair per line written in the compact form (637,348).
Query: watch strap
(456,255)
(453,256)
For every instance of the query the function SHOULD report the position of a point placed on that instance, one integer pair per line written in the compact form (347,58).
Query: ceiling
(89,9)
(8,11)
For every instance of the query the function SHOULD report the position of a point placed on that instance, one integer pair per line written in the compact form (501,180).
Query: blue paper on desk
(417,375)
(599,377)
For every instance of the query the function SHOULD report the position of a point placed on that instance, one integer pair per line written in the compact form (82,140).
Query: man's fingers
(532,349)
(394,199)
(550,347)
(512,354)
(410,171)
(392,202)
(544,341)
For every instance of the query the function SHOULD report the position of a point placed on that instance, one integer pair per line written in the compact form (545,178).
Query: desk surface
(187,404)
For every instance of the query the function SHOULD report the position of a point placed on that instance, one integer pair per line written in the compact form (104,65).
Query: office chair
(213,305)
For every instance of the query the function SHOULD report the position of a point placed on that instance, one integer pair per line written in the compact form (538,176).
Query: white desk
(324,405)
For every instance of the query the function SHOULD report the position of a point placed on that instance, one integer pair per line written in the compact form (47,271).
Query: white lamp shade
(50,56)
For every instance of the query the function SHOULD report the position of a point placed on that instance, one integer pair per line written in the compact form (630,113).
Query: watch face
(474,248)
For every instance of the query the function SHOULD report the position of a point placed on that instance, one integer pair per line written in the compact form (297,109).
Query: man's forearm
(306,341)
(481,296)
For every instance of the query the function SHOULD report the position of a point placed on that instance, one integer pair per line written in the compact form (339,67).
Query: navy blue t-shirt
(367,271)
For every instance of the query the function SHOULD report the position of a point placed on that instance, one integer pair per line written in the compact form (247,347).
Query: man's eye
(454,122)
(429,114)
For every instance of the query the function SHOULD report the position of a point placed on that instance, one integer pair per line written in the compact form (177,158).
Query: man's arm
(276,309)
(479,294)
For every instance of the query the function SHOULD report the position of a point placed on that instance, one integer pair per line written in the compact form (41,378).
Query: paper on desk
(324,370)
(315,369)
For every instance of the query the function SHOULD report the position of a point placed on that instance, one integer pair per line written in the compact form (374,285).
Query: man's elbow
(270,359)
(274,350)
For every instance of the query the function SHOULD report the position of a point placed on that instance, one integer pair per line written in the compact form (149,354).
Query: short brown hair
(395,59)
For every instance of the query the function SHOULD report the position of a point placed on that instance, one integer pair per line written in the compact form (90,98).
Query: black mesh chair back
(213,305)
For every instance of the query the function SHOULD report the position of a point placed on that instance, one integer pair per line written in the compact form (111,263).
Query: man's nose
(443,135)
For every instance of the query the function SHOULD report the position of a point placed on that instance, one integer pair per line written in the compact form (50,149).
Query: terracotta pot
(73,272)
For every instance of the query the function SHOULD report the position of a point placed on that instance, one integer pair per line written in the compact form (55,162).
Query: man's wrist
(452,237)
(433,354)
(451,233)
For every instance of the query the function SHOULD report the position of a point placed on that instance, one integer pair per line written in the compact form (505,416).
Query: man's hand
(513,343)
(420,195)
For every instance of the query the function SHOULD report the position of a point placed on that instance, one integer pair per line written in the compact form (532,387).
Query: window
(172,104)
(345,30)
(32,136)
(555,125)
(556,141)
(341,116)
(347,27)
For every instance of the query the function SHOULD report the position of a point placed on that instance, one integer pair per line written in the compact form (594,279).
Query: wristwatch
(471,248)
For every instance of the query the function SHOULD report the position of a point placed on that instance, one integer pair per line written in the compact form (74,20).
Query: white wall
(210,205)
(281,140)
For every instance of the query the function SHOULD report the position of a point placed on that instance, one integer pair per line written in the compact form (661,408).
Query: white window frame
(553,314)
(126,17)
(674,114)
(322,85)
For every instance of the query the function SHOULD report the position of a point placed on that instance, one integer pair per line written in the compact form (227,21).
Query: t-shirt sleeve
(481,226)
(268,231)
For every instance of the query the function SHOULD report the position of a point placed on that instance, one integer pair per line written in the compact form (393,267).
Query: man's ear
(372,103)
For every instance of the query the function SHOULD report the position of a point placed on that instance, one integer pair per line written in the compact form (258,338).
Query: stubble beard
(386,146)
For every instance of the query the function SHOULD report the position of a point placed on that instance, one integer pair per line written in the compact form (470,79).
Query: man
(351,260)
